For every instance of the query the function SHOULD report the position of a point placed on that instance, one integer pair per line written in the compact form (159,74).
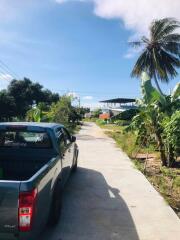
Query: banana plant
(155,108)
(34,115)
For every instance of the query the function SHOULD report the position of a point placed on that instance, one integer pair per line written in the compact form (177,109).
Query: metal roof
(119,100)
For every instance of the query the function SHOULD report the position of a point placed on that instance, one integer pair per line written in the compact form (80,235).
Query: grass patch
(139,165)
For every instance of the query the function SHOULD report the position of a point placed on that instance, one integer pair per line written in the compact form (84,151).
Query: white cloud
(136,14)
(72,94)
(87,97)
(5,80)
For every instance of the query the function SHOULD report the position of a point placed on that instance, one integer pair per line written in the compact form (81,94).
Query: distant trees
(7,105)
(19,97)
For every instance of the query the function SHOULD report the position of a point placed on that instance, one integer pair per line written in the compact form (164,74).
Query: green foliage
(160,56)
(158,121)
(126,140)
(101,122)
(122,122)
(126,115)
(139,165)
(19,98)
(176,92)
(34,115)
(176,182)
(63,112)
(96,113)
(172,132)
(7,106)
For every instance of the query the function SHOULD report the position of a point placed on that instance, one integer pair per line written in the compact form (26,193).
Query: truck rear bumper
(8,236)
(21,236)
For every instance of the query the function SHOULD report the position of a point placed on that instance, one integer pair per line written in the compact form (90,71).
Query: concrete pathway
(108,199)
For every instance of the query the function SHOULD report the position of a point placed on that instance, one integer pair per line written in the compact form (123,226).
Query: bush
(126,115)
(122,122)
(101,122)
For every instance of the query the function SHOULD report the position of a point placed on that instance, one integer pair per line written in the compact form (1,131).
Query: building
(113,107)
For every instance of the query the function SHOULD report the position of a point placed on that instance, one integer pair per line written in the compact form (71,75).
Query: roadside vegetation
(151,136)
(27,101)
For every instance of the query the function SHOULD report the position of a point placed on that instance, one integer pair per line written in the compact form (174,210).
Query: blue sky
(74,46)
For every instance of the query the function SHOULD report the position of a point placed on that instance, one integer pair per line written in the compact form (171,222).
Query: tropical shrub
(158,121)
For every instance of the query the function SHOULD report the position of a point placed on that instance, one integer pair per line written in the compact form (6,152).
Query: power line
(4,75)
(6,68)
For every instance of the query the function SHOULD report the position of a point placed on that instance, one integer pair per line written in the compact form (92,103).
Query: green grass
(89,119)
(139,165)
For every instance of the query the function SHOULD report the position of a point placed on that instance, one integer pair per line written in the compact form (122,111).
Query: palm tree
(161,51)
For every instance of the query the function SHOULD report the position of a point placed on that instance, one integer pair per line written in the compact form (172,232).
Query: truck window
(24,139)
(61,139)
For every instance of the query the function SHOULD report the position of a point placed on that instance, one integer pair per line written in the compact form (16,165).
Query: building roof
(119,100)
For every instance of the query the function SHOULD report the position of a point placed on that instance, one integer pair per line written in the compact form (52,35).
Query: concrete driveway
(108,199)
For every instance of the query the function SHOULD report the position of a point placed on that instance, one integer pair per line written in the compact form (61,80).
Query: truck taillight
(26,209)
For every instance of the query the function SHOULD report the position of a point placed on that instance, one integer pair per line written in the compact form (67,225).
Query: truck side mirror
(73,139)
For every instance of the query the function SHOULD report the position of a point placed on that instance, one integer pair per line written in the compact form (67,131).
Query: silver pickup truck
(36,160)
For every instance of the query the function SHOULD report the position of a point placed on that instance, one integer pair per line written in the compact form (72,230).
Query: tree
(96,113)
(61,111)
(25,92)
(161,51)
(7,106)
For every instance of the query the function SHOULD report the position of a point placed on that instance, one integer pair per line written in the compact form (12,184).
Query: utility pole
(79,101)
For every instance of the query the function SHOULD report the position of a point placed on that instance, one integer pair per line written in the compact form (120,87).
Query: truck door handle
(69,150)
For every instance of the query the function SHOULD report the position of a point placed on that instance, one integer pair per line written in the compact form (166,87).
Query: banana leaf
(176,92)
(150,93)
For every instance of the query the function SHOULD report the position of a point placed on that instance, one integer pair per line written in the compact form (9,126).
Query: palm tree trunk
(157,84)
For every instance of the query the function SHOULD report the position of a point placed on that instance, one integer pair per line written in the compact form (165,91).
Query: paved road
(108,199)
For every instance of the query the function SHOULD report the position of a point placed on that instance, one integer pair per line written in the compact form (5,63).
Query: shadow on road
(92,210)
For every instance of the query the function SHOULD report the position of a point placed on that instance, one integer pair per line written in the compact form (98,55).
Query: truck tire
(56,206)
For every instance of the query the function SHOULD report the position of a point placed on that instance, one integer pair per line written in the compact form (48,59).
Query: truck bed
(22,164)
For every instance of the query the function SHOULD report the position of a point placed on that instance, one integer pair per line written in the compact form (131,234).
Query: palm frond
(142,64)
(161,54)
(163,27)
(169,25)
(172,47)
(170,38)
(145,40)
(165,65)
(136,44)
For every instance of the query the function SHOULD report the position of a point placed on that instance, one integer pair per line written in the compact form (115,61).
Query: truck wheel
(74,168)
(56,206)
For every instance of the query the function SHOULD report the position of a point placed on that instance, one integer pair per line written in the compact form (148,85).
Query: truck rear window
(24,139)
